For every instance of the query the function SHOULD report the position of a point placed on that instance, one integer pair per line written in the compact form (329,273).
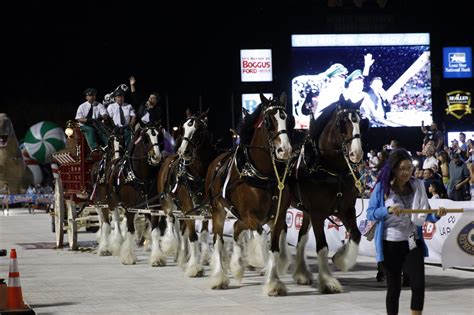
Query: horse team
(254,184)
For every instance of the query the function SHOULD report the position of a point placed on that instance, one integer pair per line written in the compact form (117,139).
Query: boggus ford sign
(256,65)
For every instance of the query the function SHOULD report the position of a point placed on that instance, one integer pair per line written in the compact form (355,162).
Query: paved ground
(65,282)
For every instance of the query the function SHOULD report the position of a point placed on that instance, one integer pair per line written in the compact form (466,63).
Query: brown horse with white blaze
(323,184)
(131,182)
(181,187)
(250,183)
(107,244)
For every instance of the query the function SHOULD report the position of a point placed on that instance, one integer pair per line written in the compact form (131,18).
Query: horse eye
(190,123)
(282,115)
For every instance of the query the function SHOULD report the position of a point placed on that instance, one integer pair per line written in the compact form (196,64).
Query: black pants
(397,254)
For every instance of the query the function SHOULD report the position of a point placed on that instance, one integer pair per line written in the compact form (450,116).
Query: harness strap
(229,171)
(281,185)
(299,204)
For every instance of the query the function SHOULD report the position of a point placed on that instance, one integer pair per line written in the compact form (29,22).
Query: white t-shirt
(398,228)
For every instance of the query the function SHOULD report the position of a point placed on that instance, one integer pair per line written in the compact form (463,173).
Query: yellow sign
(459,103)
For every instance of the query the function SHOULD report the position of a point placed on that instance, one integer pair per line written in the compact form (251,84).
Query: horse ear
(283,98)
(204,114)
(263,99)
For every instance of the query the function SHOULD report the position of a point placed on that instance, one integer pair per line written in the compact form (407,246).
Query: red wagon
(73,188)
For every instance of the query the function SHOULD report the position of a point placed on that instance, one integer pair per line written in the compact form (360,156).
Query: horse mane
(246,126)
(316,126)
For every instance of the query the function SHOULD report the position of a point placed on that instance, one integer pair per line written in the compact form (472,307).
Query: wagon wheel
(71,224)
(59,213)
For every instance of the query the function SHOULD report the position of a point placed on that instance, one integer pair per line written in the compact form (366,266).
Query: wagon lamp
(69,129)
(69,132)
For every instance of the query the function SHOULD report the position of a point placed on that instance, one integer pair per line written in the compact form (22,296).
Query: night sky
(52,51)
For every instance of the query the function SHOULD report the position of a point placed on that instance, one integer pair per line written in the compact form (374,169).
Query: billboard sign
(256,65)
(457,62)
(458,104)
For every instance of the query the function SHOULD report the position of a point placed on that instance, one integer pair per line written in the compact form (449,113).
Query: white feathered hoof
(159,262)
(194,271)
(169,243)
(157,257)
(329,285)
(104,241)
(219,282)
(127,254)
(303,277)
(205,252)
(257,251)
(345,258)
(275,288)
(237,268)
(205,258)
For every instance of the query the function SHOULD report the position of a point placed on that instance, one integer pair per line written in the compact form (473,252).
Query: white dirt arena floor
(65,282)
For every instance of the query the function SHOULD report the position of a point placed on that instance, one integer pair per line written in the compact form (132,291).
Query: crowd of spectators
(447,170)
(415,94)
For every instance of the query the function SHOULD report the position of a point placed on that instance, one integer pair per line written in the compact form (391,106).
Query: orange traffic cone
(14,295)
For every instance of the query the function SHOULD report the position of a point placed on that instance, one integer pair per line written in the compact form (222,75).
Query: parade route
(65,282)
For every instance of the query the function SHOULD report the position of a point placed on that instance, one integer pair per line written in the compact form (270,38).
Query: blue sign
(457,62)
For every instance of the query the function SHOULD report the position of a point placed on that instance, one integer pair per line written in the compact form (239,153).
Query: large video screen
(387,76)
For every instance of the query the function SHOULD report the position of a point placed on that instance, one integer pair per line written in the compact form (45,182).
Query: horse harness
(249,174)
(124,167)
(315,172)
(180,174)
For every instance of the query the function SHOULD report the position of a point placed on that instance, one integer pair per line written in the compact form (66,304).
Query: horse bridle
(340,115)
(193,144)
(148,146)
(345,143)
(281,179)
(273,135)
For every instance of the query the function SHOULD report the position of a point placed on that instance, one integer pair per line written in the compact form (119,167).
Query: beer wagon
(73,188)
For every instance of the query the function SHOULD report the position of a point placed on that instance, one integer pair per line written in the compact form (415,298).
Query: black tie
(122,116)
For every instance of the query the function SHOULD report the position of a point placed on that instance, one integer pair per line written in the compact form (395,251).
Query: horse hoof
(331,288)
(221,286)
(277,293)
(305,282)
(195,273)
(159,263)
(200,273)
(302,281)
(276,288)
(128,262)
